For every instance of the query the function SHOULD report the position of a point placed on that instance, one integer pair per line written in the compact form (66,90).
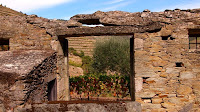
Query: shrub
(112,54)
(74,52)
(100,85)
(86,61)
(87,65)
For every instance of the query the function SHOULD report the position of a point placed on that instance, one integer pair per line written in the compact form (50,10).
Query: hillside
(4,11)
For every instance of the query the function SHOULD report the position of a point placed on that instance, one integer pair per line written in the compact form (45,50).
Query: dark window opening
(165,37)
(4,44)
(179,64)
(52,90)
(194,42)
(194,38)
(172,38)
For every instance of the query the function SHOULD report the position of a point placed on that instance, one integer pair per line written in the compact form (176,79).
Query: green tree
(112,54)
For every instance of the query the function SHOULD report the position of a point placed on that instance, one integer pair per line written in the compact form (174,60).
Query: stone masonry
(166,70)
(162,84)
(25,75)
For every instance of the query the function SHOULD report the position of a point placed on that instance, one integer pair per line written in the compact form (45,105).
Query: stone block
(159,63)
(196,88)
(175,100)
(166,31)
(172,70)
(147,100)
(158,69)
(146,74)
(168,105)
(151,106)
(157,100)
(146,94)
(138,84)
(163,95)
(163,75)
(158,110)
(187,75)
(138,44)
(187,108)
(156,81)
(184,90)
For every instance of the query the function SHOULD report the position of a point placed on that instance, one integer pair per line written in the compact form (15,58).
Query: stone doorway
(52,90)
(65,61)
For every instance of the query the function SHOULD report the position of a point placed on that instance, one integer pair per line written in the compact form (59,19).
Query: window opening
(194,42)
(52,90)
(194,38)
(179,64)
(165,37)
(4,44)
(107,85)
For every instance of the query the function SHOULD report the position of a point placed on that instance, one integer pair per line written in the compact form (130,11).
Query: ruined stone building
(165,54)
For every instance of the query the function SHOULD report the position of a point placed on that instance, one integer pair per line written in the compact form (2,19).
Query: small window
(194,42)
(4,44)
(179,64)
(194,39)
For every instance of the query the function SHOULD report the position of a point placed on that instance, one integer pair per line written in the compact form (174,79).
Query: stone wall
(28,85)
(166,69)
(166,85)
(88,106)
(23,36)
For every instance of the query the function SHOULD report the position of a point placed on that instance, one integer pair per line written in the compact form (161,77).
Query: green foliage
(112,54)
(74,64)
(87,65)
(86,61)
(100,85)
(74,52)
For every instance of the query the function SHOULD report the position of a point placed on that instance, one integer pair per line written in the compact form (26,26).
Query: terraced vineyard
(85,44)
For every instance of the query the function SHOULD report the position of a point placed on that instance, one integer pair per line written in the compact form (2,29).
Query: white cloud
(30,5)
(192,4)
(115,7)
(114,1)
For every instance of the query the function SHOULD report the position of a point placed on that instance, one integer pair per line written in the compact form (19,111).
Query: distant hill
(4,11)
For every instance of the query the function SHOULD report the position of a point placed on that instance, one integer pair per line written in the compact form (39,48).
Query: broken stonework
(25,81)
(161,38)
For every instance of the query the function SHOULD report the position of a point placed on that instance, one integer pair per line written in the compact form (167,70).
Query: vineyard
(92,87)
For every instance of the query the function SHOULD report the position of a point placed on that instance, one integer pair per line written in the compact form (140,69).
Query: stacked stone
(37,80)
(26,83)
(166,70)
(87,106)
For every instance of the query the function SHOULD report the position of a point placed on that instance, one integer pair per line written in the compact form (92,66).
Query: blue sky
(64,9)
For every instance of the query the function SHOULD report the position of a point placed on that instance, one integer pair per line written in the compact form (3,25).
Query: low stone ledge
(89,106)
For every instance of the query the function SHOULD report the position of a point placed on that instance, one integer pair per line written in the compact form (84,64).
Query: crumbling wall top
(138,18)
(21,62)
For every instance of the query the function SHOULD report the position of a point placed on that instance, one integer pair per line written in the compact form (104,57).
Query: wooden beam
(132,69)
